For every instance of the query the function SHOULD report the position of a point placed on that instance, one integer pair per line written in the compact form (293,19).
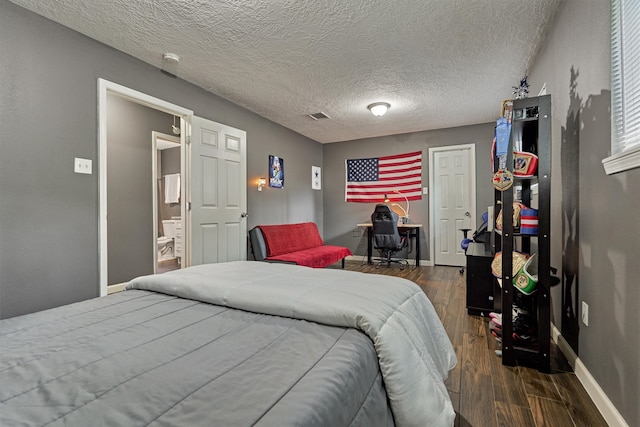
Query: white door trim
(472,174)
(105,88)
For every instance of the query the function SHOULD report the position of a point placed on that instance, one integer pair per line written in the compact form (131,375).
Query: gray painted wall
(605,254)
(341,217)
(48,214)
(296,202)
(130,186)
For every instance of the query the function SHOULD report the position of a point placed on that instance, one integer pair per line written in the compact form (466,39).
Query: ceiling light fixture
(378,108)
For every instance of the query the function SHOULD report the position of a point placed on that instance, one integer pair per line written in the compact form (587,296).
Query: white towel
(172,188)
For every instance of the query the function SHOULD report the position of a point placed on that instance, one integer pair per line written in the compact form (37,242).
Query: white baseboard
(564,346)
(112,289)
(599,397)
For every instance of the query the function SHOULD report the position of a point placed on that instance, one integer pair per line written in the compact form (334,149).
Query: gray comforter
(414,351)
(140,358)
(232,344)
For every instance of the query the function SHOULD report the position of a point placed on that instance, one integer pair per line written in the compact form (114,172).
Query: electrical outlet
(585,313)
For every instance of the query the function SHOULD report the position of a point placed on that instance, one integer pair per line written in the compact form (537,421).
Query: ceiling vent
(318,116)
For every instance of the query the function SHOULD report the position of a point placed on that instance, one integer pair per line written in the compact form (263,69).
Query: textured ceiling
(439,63)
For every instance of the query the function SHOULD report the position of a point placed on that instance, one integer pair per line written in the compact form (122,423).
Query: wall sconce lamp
(261,183)
(378,108)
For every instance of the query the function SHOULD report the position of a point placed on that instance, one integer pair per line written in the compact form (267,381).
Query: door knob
(244,214)
(467,214)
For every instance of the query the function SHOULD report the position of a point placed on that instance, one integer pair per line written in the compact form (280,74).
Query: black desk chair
(386,236)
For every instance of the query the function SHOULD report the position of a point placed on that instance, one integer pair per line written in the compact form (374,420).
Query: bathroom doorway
(167,215)
(127,237)
(213,209)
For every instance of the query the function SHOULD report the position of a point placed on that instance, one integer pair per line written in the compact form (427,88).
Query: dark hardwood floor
(485,393)
(166,266)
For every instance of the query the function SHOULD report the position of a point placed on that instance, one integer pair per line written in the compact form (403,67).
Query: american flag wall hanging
(397,176)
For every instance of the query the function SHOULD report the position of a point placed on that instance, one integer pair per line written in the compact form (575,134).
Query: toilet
(166,244)
(169,228)
(165,248)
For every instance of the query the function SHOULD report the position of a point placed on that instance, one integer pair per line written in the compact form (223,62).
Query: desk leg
(369,244)
(417,241)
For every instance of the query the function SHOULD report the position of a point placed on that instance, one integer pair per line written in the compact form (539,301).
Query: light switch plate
(82,166)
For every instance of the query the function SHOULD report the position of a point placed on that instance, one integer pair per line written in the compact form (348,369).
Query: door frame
(472,183)
(106,88)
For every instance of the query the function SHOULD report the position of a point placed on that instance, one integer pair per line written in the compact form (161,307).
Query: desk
(414,232)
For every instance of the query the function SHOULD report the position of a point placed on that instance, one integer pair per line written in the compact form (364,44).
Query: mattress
(141,358)
(233,344)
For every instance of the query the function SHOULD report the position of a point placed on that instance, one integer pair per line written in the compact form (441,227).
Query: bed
(232,344)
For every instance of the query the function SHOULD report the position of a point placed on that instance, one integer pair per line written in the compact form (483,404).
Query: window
(625,86)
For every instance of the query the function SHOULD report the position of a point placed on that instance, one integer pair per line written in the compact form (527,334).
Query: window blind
(625,75)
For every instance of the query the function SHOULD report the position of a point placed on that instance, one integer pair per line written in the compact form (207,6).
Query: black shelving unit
(530,124)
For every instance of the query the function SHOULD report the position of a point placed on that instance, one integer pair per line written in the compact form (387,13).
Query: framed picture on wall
(276,171)
(316,177)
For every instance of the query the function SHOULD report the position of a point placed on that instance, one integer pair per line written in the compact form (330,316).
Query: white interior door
(453,172)
(218,193)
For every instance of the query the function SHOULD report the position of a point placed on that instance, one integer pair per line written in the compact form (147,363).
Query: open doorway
(128,244)
(214,185)
(167,215)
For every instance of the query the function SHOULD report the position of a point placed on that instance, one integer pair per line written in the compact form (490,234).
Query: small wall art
(276,171)
(316,177)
